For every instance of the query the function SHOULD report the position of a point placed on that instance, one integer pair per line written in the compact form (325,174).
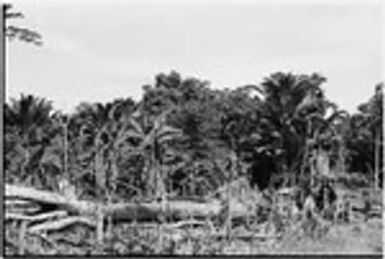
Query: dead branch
(40,217)
(17,202)
(62,223)
(48,197)
(187,223)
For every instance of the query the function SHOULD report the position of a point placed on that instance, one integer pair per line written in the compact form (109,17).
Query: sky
(101,50)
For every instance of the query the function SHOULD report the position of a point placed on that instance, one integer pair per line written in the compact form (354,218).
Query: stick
(22,241)
(61,223)
(44,216)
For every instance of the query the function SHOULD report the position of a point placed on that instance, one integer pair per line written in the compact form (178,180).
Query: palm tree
(54,159)
(93,118)
(21,33)
(27,130)
(287,102)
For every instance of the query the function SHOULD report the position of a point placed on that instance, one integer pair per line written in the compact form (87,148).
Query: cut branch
(61,224)
(47,197)
(40,217)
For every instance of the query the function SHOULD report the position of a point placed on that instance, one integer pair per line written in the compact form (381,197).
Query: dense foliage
(184,138)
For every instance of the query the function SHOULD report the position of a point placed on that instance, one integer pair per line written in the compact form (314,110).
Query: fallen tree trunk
(152,210)
(141,211)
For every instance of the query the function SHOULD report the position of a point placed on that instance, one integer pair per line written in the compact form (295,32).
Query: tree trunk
(22,237)
(232,174)
(142,211)
(323,162)
(305,159)
(101,185)
(341,160)
(66,149)
(377,147)
(119,211)
(153,175)
(25,163)
(341,156)
(99,174)
(313,166)
(100,228)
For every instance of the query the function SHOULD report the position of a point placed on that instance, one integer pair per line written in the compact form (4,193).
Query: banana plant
(153,146)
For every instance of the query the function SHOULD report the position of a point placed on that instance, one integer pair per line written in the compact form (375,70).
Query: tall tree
(288,100)
(16,32)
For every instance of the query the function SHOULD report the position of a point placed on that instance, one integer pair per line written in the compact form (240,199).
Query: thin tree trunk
(304,159)
(306,153)
(341,155)
(100,180)
(112,193)
(22,236)
(66,149)
(228,197)
(24,165)
(100,229)
(376,160)
(153,176)
(323,162)
(109,218)
(313,169)
(232,174)
(162,195)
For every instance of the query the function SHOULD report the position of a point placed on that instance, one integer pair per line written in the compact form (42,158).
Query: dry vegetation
(271,228)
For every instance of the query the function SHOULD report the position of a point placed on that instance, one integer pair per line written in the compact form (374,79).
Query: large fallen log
(175,209)
(152,210)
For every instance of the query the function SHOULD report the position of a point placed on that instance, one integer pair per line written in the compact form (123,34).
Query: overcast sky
(101,50)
